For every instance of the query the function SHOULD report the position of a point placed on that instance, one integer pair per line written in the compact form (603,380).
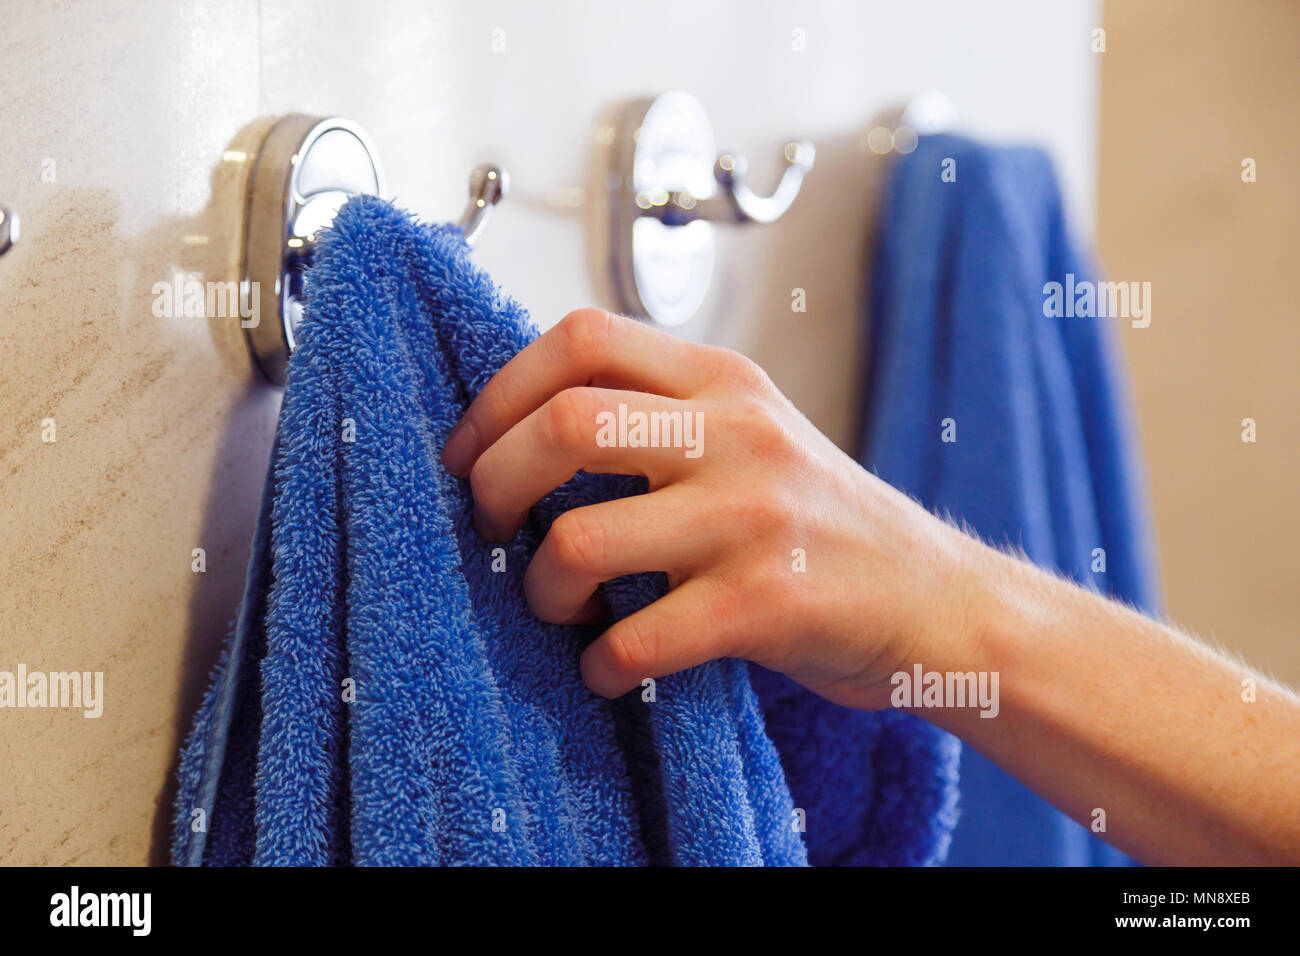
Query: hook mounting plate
(659,146)
(305,169)
(664,194)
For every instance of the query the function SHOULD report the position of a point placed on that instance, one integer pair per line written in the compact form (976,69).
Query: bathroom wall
(124,134)
(1190,90)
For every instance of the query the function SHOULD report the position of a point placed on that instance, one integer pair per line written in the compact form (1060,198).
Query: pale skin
(1100,707)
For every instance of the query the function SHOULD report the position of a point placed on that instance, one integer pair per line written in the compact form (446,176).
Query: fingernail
(458,452)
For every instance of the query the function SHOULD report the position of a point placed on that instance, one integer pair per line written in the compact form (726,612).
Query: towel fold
(386,696)
(1043,459)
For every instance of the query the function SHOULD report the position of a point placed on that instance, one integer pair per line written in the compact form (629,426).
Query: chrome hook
(738,203)
(302,174)
(665,188)
(8,229)
(304,171)
(488,185)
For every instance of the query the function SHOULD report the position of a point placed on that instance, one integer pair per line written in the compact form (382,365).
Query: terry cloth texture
(471,738)
(1043,458)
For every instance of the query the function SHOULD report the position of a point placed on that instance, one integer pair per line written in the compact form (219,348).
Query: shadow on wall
(240,461)
(97,542)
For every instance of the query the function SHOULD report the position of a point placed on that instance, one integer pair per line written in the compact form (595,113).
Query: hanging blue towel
(1043,459)
(386,696)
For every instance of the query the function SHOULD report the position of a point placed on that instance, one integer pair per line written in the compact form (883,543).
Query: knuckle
(740,372)
(577,542)
(767,511)
(584,333)
(631,649)
(571,418)
(752,414)
(775,511)
(760,430)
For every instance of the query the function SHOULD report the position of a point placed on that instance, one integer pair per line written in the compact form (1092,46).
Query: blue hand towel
(386,697)
(1043,459)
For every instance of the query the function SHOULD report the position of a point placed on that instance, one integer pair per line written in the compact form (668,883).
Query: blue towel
(386,697)
(1043,458)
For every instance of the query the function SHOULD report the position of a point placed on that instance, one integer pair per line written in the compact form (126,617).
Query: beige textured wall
(162,430)
(1190,89)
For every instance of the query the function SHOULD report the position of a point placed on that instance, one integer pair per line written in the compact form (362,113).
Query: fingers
(589,346)
(586,546)
(580,429)
(690,625)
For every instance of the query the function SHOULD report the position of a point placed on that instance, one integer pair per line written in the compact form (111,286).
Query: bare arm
(1194,758)
(781,550)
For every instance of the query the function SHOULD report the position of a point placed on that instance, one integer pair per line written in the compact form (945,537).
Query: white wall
(440,100)
(163,429)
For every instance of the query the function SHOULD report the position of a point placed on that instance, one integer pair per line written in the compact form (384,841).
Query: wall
(162,428)
(1189,90)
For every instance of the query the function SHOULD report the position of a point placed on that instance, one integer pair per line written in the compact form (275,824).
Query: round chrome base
(304,171)
(659,147)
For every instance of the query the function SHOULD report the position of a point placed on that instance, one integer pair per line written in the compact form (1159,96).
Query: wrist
(965,603)
(957,655)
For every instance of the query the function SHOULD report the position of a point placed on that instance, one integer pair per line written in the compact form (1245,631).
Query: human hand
(778,547)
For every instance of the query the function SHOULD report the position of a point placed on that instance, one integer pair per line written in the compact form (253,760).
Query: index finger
(587,347)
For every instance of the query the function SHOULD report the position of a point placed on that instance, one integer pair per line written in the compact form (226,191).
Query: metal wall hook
(8,229)
(304,171)
(488,185)
(306,168)
(665,188)
(738,203)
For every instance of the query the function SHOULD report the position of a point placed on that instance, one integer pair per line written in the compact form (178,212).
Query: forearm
(780,549)
(1104,709)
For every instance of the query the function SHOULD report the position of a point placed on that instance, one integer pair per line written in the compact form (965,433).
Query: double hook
(666,187)
(302,174)
(488,185)
(738,203)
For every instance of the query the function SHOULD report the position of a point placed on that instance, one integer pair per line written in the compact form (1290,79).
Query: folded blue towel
(1043,458)
(471,737)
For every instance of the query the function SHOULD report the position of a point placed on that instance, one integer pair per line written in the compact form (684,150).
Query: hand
(778,547)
